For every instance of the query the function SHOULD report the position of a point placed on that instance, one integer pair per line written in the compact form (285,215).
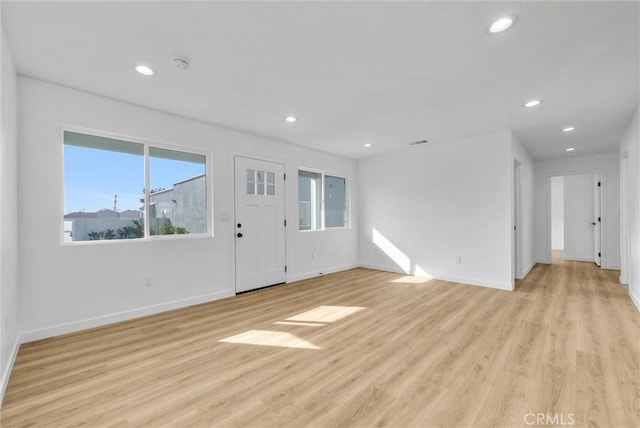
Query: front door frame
(232,174)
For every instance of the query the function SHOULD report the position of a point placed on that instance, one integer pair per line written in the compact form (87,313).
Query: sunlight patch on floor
(317,317)
(270,338)
(307,324)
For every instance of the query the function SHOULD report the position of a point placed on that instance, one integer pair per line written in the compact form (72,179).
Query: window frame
(347,198)
(146,143)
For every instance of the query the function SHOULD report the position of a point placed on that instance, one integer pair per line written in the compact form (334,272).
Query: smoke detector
(181,63)
(415,143)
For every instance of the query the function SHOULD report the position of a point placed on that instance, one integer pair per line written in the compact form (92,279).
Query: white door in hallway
(597,220)
(259,223)
(578,217)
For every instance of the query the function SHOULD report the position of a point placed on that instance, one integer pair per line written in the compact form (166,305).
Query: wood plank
(384,350)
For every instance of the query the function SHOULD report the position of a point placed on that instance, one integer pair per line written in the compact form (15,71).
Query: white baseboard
(449,278)
(8,368)
(634,299)
(528,269)
(478,282)
(300,277)
(384,268)
(611,267)
(56,330)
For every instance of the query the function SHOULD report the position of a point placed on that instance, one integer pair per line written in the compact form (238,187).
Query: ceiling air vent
(415,143)
(181,63)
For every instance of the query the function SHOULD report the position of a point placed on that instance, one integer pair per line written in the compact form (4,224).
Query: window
(177,196)
(309,200)
(106,198)
(322,201)
(335,192)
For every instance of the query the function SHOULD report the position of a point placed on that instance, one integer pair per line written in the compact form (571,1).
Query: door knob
(239,235)
(239,224)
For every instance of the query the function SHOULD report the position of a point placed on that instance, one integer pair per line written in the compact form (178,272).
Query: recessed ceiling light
(502,24)
(569,149)
(569,129)
(290,119)
(144,70)
(533,103)
(368,144)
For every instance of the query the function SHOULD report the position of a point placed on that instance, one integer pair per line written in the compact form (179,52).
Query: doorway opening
(557,220)
(575,218)
(516,262)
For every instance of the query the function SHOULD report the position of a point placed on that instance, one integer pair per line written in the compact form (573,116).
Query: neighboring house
(184,205)
(132,214)
(78,225)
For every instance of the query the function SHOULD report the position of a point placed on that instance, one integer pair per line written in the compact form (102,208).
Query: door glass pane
(271,177)
(251,181)
(260,189)
(260,176)
(271,189)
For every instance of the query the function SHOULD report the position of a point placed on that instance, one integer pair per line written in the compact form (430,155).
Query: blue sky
(92,177)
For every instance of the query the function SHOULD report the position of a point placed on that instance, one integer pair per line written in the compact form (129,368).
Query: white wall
(608,165)
(630,156)
(578,215)
(8,214)
(526,229)
(422,208)
(557,213)
(65,288)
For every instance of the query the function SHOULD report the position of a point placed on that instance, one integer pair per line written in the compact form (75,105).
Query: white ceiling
(387,73)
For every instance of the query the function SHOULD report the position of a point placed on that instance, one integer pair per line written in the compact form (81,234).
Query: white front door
(259,223)
(597,224)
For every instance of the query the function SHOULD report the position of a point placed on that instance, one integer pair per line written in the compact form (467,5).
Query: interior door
(516,270)
(597,220)
(259,223)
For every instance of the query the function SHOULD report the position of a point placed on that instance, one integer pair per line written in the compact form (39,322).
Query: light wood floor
(358,348)
(557,257)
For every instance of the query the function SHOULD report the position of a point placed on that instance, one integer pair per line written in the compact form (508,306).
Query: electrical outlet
(458,259)
(148,282)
